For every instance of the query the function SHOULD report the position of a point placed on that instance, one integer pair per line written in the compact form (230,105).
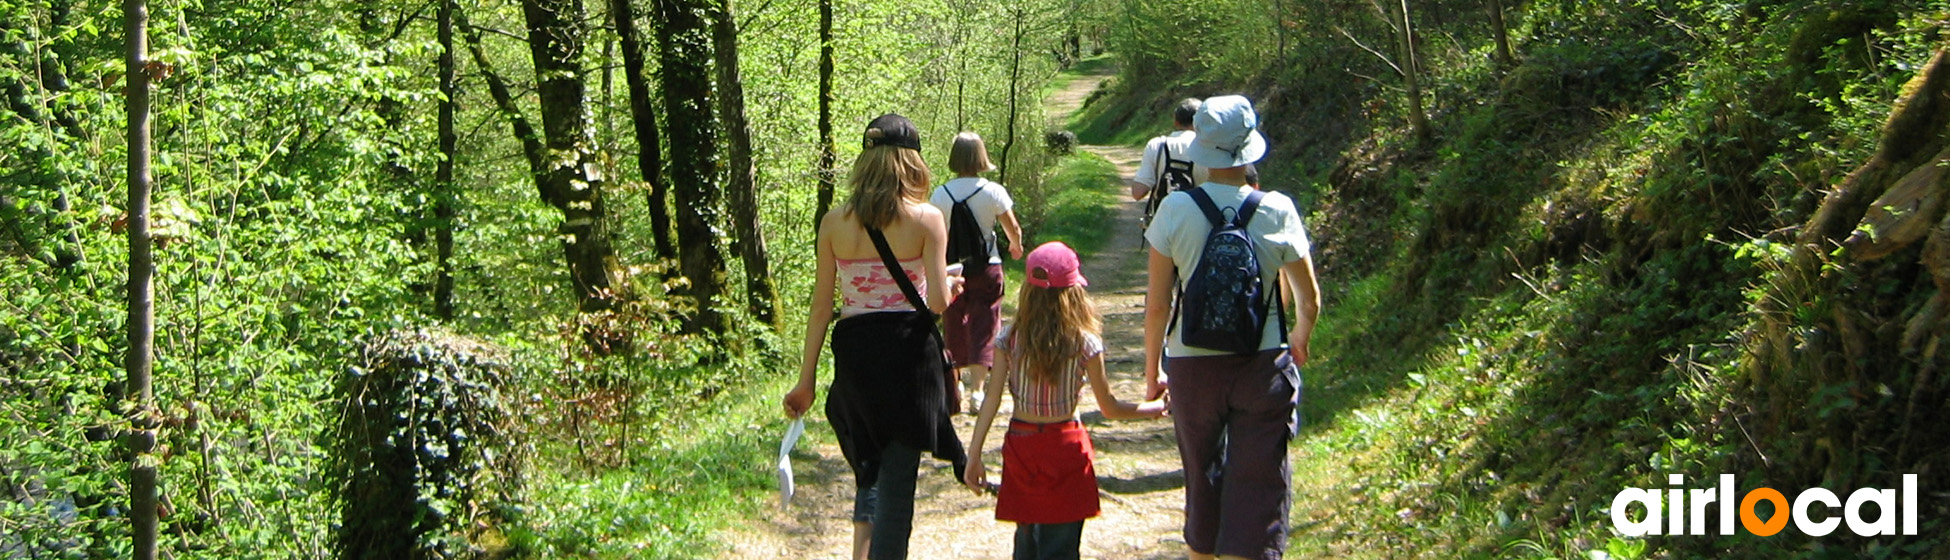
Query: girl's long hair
(882,176)
(1050,328)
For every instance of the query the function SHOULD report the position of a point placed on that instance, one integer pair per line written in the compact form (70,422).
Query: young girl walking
(1049,485)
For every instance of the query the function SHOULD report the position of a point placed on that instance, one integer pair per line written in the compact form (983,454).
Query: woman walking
(881,250)
(972,319)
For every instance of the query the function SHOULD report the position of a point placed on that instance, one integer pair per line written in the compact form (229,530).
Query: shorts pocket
(1291,373)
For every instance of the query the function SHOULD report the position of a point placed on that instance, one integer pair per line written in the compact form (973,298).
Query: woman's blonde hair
(1051,324)
(882,177)
(968,155)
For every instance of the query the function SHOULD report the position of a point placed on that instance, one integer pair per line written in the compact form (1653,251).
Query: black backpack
(1223,304)
(967,242)
(1173,175)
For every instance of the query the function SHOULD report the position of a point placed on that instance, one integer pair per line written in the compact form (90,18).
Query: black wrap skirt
(889,385)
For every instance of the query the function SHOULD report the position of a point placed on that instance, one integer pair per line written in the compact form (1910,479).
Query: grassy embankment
(1559,295)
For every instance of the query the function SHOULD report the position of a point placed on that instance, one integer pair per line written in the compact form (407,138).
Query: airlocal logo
(1678,522)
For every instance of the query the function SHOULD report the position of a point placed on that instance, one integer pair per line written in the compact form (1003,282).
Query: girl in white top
(970,323)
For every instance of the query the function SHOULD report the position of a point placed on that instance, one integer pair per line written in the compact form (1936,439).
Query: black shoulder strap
(971,194)
(894,269)
(1205,204)
(1247,208)
(1164,156)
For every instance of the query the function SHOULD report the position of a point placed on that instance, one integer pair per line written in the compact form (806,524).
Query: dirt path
(1137,461)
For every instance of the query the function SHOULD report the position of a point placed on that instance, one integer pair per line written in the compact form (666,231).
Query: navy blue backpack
(1223,304)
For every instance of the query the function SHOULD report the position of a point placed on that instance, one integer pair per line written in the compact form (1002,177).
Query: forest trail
(1137,460)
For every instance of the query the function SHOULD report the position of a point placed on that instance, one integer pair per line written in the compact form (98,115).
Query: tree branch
(1377,54)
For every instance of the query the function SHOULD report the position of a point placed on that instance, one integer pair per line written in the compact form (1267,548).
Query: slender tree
(444,195)
(532,150)
(685,42)
(643,119)
(1418,122)
(1027,22)
(741,187)
(1407,67)
(827,159)
(1502,33)
(1019,24)
(141,438)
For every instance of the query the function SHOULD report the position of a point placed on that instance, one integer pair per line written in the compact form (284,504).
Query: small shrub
(1060,142)
(423,464)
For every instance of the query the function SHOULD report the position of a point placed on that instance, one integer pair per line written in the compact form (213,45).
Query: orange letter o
(1773,524)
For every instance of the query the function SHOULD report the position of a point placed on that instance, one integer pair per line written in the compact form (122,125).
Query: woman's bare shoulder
(925,213)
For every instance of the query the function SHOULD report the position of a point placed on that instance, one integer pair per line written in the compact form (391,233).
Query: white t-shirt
(1179,230)
(987,205)
(1178,142)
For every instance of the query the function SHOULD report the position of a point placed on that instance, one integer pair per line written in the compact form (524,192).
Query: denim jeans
(888,503)
(1051,541)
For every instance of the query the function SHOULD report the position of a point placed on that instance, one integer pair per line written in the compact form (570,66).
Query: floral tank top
(866,287)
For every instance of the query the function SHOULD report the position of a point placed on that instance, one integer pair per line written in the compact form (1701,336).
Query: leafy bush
(425,460)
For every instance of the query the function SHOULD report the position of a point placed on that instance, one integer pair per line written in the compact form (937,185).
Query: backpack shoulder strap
(971,194)
(1164,161)
(1247,208)
(894,269)
(1205,204)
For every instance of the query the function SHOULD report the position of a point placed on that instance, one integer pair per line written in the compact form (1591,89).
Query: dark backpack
(1173,175)
(1223,304)
(967,242)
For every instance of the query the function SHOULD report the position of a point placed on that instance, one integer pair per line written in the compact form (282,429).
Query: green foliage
(425,457)
(1082,188)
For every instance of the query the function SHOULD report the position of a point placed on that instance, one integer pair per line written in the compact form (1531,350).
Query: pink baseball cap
(1053,265)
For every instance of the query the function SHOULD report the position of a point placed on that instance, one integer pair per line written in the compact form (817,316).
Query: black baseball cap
(895,130)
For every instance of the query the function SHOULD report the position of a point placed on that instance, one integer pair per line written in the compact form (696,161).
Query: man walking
(1232,367)
(1164,168)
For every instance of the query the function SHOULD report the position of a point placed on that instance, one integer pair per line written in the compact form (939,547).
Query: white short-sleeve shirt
(1179,230)
(1178,142)
(987,205)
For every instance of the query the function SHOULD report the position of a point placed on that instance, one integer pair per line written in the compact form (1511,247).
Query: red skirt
(1047,474)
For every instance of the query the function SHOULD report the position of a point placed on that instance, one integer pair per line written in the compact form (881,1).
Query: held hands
(1155,408)
(1156,386)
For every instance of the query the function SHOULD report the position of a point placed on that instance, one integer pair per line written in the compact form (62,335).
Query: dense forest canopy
(1601,241)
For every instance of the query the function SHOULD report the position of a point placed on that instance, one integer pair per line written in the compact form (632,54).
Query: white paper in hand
(785,460)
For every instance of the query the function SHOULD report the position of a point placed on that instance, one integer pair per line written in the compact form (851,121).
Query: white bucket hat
(1228,134)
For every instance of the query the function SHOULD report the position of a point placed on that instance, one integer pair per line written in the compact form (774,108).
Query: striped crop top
(1048,399)
(866,287)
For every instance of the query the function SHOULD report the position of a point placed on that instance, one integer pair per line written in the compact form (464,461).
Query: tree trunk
(827,159)
(1502,32)
(748,239)
(1418,122)
(141,438)
(1019,14)
(685,42)
(643,117)
(445,195)
(532,150)
(572,179)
